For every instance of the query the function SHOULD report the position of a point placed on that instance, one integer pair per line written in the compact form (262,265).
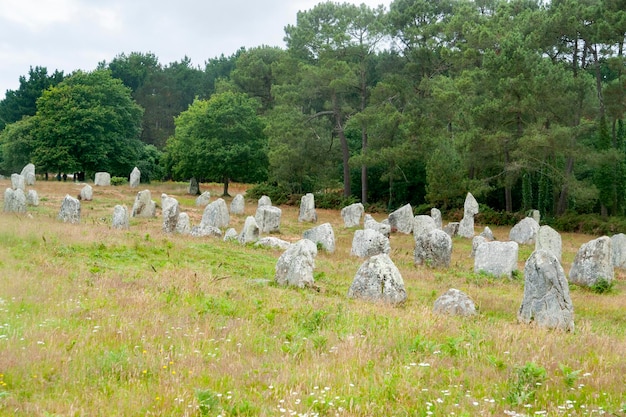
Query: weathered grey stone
(455,303)
(370,223)
(352,214)
(18,182)
(535,215)
(194,187)
(546,293)
(250,231)
(70,210)
(183,224)
(120,217)
(452,229)
(144,206)
(32,198)
(487,234)
(422,225)
(525,231)
(368,243)
(401,220)
(272,242)
(28,172)
(86,193)
(203,199)
(378,279)
(618,247)
(550,240)
(322,235)
(135,178)
(433,249)
(496,258)
(470,209)
(216,214)
(170,210)
(476,242)
(307,209)
(231,234)
(102,179)
(238,204)
(14,201)
(264,201)
(592,263)
(268,218)
(203,230)
(435,213)
(295,266)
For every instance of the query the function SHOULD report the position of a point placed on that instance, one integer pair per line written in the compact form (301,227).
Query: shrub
(589,224)
(118,181)
(333,200)
(277,193)
(602,286)
(527,379)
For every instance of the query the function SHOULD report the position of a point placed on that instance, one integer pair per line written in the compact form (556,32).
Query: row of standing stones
(546,300)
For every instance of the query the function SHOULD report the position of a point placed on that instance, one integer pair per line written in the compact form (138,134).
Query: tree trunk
(226,181)
(364,168)
(564,195)
(345,151)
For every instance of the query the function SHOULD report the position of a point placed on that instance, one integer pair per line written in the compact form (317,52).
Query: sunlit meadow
(103,322)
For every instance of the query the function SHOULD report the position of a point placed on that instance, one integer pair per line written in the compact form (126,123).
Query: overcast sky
(77,34)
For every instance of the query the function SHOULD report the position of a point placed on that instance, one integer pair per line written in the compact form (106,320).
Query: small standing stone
(70,210)
(435,213)
(264,201)
(203,230)
(295,266)
(525,231)
(237,206)
(32,198)
(203,199)
(120,217)
(369,242)
(231,235)
(433,249)
(86,193)
(144,206)
(452,229)
(307,209)
(352,214)
(378,279)
(487,234)
(401,220)
(170,210)
(268,218)
(496,258)
(194,187)
(550,240)
(18,182)
(476,242)
(370,223)
(323,235)
(273,242)
(250,231)
(135,178)
(102,179)
(470,209)
(28,172)
(14,201)
(455,303)
(618,245)
(592,263)
(183,224)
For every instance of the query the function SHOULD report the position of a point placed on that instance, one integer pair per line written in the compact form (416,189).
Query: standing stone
(322,235)
(102,179)
(120,217)
(170,210)
(14,201)
(250,231)
(524,232)
(183,224)
(264,201)
(237,206)
(307,209)
(135,178)
(487,234)
(368,243)
(401,220)
(435,213)
(546,293)
(268,218)
(231,234)
(592,263)
(216,214)
(370,223)
(28,172)
(273,242)
(422,225)
(203,230)
(86,193)
(550,240)
(352,214)
(433,249)
(295,266)
(70,210)
(496,258)
(454,303)
(32,198)
(18,182)
(476,242)
(194,187)
(144,206)
(470,209)
(378,279)
(203,199)
(452,229)
(618,245)
(536,215)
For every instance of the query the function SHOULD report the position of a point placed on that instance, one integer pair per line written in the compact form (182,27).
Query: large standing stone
(295,266)
(18,182)
(216,214)
(496,258)
(546,293)
(32,198)
(268,218)
(307,209)
(370,223)
(435,213)
(144,206)
(250,231)
(401,220)
(70,210)
(170,210)
(550,240)
(352,214)
(272,242)
(618,247)
(368,243)
(378,279)
(183,224)
(422,225)
(203,199)
(120,217)
(237,206)
(86,193)
(102,179)
(194,187)
(14,201)
(28,172)
(455,303)
(470,209)
(264,201)
(433,249)
(322,235)
(135,178)
(525,231)
(592,263)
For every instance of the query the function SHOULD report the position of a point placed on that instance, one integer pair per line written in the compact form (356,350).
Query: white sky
(77,34)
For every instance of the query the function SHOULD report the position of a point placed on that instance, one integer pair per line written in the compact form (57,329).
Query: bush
(487,215)
(118,181)
(589,224)
(333,200)
(277,193)
(602,286)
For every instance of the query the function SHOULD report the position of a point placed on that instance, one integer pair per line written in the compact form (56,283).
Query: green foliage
(589,223)
(569,375)
(602,286)
(487,215)
(524,384)
(333,200)
(208,401)
(277,193)
(119,180)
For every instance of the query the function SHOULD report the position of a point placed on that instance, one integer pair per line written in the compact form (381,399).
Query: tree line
(521,102)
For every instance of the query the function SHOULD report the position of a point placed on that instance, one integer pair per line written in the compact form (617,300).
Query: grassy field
(102,322)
